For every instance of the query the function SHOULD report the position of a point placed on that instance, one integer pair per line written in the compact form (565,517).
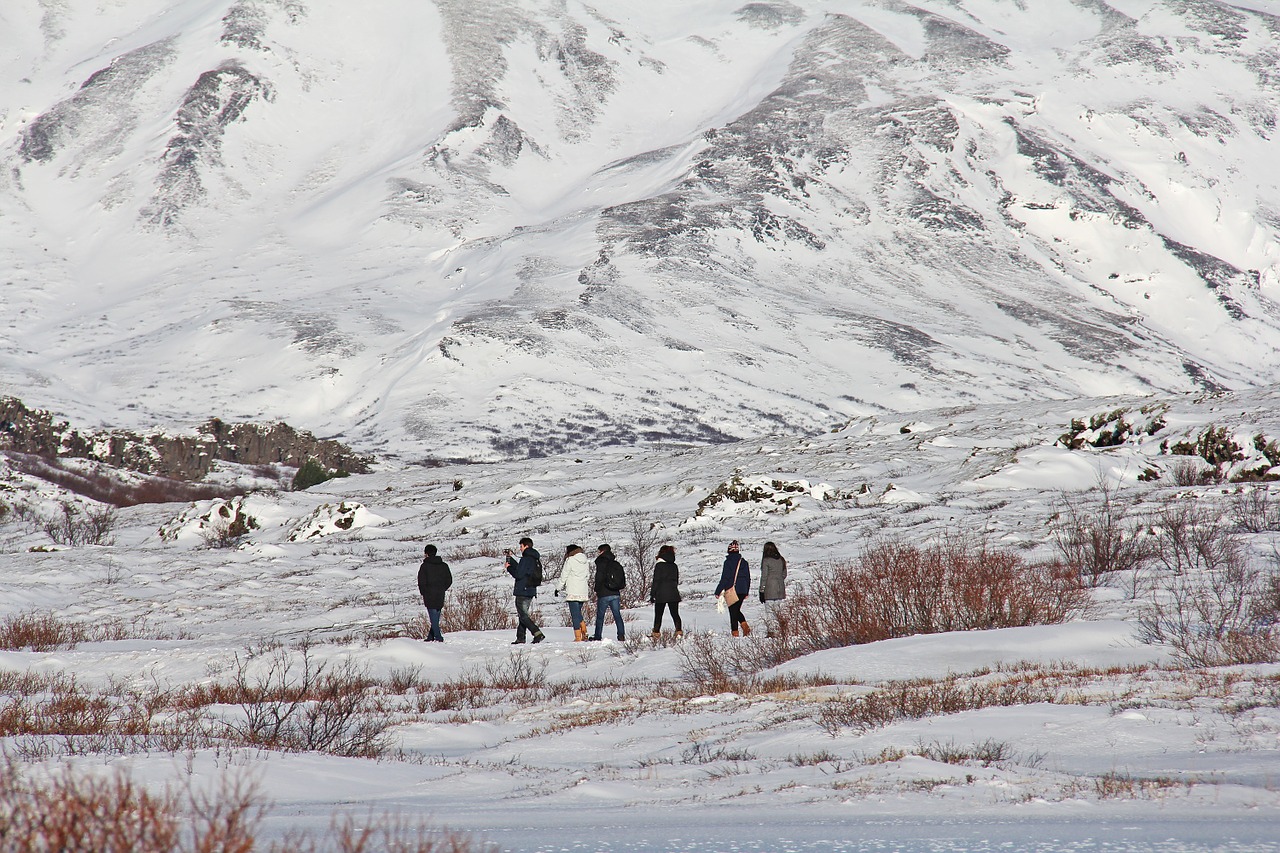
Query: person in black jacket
(434,578)
(525,572)
(665,592)
(610,581)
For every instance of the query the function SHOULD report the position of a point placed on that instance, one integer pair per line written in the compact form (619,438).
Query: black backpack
(616,578)
(535,577)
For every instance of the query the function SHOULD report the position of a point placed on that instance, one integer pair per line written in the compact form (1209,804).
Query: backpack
(535,577)
(615,578)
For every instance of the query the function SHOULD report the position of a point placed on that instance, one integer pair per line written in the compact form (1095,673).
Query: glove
(557,593)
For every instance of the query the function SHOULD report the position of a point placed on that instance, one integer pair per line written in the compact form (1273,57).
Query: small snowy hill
(493,228)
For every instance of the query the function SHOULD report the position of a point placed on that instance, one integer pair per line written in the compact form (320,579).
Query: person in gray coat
(773,584)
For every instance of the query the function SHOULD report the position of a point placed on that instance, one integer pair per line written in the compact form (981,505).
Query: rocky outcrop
(182,457)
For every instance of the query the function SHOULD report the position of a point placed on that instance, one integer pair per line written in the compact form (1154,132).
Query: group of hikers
(576,583)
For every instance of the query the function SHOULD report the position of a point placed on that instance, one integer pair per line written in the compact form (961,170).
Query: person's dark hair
(668,553)
(572,549)
(430,550)
(771,550)
(525,540)
(605,549)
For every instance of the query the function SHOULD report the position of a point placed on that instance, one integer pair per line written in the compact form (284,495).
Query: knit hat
(733,546)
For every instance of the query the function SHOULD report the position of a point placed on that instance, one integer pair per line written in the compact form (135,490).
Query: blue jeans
(614,604)
(435,634)
(526,621)
(575,613)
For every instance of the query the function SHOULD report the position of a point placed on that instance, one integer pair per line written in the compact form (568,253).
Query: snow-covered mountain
(486,228)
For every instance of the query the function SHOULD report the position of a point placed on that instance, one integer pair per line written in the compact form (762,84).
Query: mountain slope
(485,229)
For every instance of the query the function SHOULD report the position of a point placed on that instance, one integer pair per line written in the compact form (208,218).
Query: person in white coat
(574,584)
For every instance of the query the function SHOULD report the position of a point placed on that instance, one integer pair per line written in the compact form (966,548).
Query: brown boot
(735,632)
(746,629)
(579,635)
(657,635)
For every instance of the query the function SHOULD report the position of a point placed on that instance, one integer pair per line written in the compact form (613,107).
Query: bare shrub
(713,665)
(984,753)
(640,552)
(1256,510)
(477,609)
(516,672)
(1123,786)
(725,665)
(299,705)
(74,527)
(897,590)
(1099,539)
(398,834)
(1193,537)
(1186,472)
(1215,605)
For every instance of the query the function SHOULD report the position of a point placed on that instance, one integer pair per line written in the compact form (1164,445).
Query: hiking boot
(746,629)
(734,632)
(539,637)
(517,642)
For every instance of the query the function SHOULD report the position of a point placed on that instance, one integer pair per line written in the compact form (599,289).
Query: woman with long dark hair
(773,584)
(665,592)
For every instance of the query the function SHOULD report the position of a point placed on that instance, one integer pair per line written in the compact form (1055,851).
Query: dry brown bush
(45,632)
(920,698)
(40,632)
(295,704)
(487,549)
(82,813)
(897,590)
(478,609)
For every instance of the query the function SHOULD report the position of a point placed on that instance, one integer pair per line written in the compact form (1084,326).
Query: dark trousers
(735,615)
(674,607)
(526,621)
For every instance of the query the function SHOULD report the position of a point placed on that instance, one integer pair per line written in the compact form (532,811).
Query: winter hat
(733,546)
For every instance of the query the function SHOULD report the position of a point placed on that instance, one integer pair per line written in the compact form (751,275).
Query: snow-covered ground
(626,754)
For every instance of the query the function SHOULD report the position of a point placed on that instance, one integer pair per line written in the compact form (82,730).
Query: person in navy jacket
(525,589)
(736,575)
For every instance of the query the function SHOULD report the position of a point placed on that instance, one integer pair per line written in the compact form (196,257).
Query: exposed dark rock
(181,457)
(216,100)
(102,104)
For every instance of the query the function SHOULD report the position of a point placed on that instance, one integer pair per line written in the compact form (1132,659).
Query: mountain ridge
(477,235)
